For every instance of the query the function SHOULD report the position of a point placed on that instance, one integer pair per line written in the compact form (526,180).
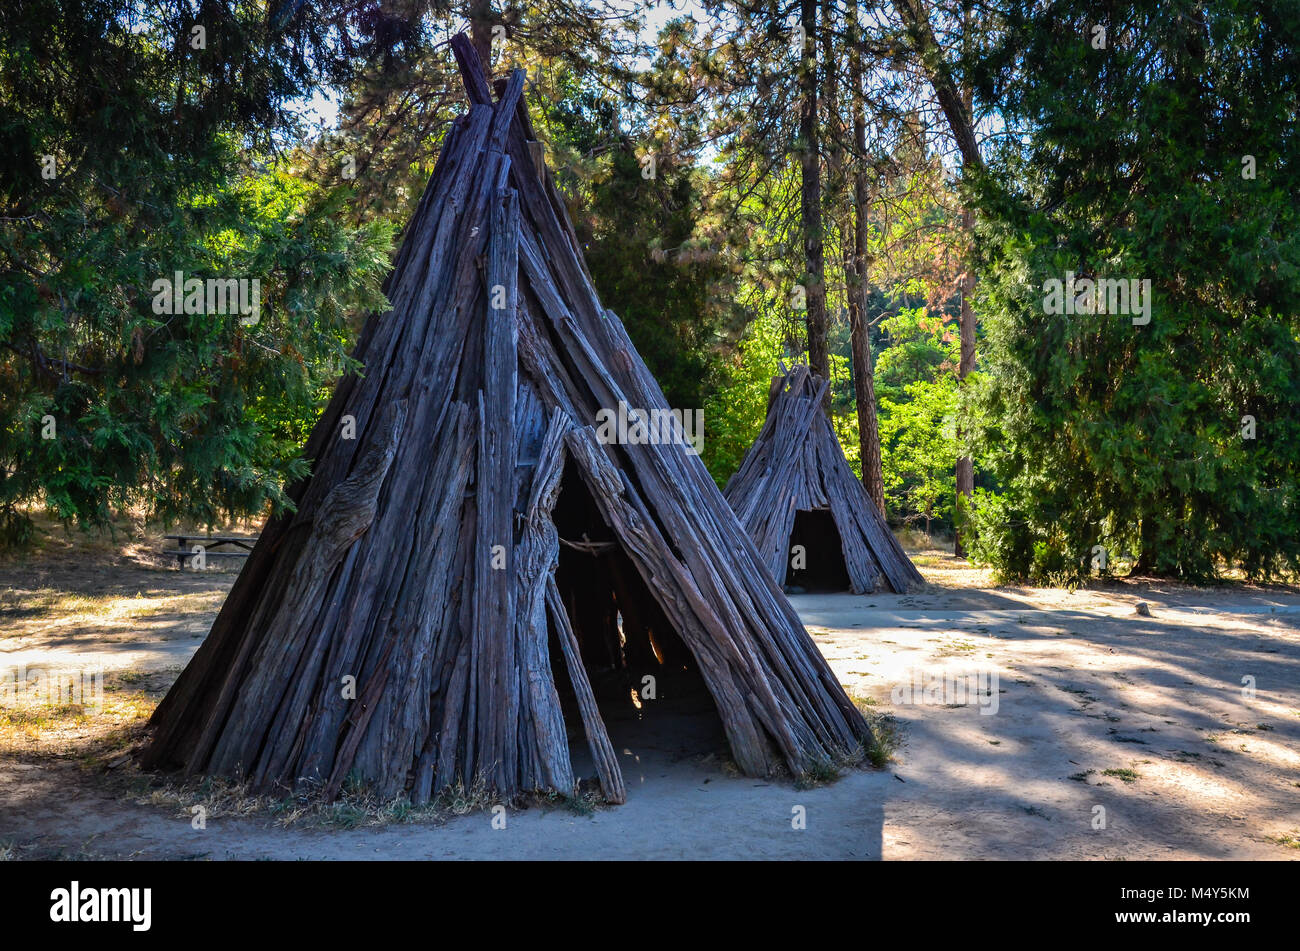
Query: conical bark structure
(800,502)
(407,626)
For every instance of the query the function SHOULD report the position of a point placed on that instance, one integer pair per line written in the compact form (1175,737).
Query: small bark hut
(809,517)
(474,553)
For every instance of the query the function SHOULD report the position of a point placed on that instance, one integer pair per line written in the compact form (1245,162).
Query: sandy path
(1084,685)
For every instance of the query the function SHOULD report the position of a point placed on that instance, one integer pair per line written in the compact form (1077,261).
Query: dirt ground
(1090,731)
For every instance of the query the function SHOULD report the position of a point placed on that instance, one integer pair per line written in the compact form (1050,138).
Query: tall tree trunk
(965,473)
(915,17)
(864,383)
(1146,561)
(811,200)
(966,364)
(957,105)
(858,279)
(480,32)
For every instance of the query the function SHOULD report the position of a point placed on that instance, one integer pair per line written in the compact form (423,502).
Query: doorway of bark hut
(624,637)
(817,565)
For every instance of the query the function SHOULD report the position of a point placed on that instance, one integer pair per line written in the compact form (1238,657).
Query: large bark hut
(795,488)
(404,627)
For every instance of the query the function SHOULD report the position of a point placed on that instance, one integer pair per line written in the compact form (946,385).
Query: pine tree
(141,143)
(1161,154)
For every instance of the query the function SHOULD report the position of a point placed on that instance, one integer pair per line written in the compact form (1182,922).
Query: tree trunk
(957,106)
(858,278)
(480,32)
(1146,562)
(966,364)
(916,19)
(965,467)
(811,201)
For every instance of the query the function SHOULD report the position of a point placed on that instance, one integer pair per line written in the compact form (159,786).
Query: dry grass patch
(1290,839)
(48,610)
(1124,775)
(94,731)
(356,806)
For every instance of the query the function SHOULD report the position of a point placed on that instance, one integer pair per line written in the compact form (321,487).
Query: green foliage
(921,348)
(649,255)
(1124,162)
(918,448)
(1101,432)
(734,412)
(159,170)
(402,88)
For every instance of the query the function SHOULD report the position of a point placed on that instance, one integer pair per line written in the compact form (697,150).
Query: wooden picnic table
(184,550)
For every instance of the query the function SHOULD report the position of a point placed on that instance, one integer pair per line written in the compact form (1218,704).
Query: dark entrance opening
(822,554)
(623,637)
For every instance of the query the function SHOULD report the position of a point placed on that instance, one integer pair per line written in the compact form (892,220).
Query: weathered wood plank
(548,747)
(494,619)
(602,750)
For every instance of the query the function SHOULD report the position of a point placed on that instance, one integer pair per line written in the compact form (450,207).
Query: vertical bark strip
(494,661)
(602,750)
